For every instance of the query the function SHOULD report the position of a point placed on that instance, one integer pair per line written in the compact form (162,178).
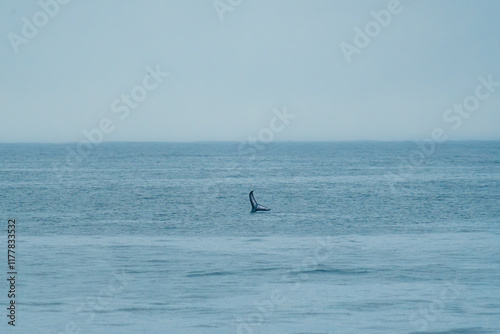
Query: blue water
(157,238)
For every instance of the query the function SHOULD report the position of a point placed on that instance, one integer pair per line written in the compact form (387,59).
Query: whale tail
(256,206)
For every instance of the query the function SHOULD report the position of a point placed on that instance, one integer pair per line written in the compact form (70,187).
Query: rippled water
(158,238)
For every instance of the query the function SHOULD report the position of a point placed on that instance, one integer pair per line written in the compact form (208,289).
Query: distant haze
(182,70)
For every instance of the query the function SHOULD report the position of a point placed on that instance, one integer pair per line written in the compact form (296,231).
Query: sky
(229,70)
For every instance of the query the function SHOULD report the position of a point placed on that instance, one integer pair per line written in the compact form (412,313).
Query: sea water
(362,237)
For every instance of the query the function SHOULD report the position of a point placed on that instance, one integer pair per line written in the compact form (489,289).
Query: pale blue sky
(227,76)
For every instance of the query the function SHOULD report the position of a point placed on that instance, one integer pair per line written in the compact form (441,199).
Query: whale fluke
(256,206)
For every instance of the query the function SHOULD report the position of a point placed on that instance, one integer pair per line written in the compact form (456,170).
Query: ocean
(362,237)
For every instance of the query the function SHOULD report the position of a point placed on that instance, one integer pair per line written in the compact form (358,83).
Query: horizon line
(236,141)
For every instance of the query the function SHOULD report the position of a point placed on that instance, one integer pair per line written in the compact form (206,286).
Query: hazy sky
(226,76)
